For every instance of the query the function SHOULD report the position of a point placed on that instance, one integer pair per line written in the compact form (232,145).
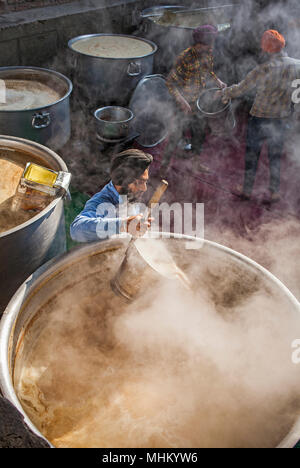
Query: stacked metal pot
(33,242)
(35,111)
(33,126)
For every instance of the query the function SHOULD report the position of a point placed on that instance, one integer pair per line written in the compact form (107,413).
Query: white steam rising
(173,369)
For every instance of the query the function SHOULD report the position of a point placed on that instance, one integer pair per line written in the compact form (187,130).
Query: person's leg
(198,127)
(178,126)
(254,143)
(176,131)
(275,139)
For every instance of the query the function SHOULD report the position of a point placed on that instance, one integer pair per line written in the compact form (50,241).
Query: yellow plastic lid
(40,175)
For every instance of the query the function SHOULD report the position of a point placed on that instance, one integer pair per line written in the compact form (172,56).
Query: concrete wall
(17,5)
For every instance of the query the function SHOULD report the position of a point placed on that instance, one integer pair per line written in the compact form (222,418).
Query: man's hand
(219,94)
(137,225)
(222,85)
(184,105)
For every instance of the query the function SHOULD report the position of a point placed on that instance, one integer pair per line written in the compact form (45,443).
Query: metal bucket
(220,117)
(85,273)
(113,122)
(25,247)
(49,125)
(104,80)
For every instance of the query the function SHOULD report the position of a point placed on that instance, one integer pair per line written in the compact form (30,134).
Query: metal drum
(37,238)
(48,125)
(109,80)
(70,301)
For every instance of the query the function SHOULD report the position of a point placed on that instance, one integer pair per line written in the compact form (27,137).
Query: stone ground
(14,433)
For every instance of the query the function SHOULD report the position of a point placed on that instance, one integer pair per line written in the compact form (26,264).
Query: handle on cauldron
(134,69)
(41,120)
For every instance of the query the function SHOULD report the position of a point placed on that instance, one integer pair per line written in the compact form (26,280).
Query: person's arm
(243,87)
(97,221)
(219,82)
(175,82)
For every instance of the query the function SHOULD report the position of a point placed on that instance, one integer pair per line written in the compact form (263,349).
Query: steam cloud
(211,369)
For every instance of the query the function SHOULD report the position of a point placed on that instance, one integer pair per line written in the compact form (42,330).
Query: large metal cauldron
(48,125)
(109,80)
(85,274)
(27,246)
(172,39)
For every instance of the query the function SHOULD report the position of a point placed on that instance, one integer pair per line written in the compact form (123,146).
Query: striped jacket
(191,73)
(273,83)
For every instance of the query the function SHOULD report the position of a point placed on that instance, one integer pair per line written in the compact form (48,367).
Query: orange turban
(272,42)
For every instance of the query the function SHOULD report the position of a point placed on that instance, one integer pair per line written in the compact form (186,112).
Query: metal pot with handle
(27,239)
(109,77)
(113,122)
(28,112)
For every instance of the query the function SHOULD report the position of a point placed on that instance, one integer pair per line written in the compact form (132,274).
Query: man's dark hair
(128,166)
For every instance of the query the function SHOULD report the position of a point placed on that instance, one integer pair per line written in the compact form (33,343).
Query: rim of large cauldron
(37,279)
(87,36)
(43,70)
(57,200)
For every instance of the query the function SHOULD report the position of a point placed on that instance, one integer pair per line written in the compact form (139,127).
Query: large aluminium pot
(80,280)
(25,247)
(109,81)
(49,125)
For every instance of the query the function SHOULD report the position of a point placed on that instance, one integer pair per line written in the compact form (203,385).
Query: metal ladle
(145,259)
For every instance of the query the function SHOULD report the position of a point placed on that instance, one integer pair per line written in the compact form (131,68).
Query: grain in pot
(159,373)
(27,94)
(10,219)
(113,47)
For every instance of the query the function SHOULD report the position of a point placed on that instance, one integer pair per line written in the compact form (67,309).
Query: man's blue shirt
(99,218)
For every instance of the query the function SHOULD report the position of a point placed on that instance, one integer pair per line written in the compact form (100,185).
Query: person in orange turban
(272,42)
(273,83)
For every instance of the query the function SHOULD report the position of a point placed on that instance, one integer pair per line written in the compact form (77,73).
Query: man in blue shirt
(114,209)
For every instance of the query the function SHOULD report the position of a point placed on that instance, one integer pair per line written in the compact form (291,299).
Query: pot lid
(153,108)
(159,10)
